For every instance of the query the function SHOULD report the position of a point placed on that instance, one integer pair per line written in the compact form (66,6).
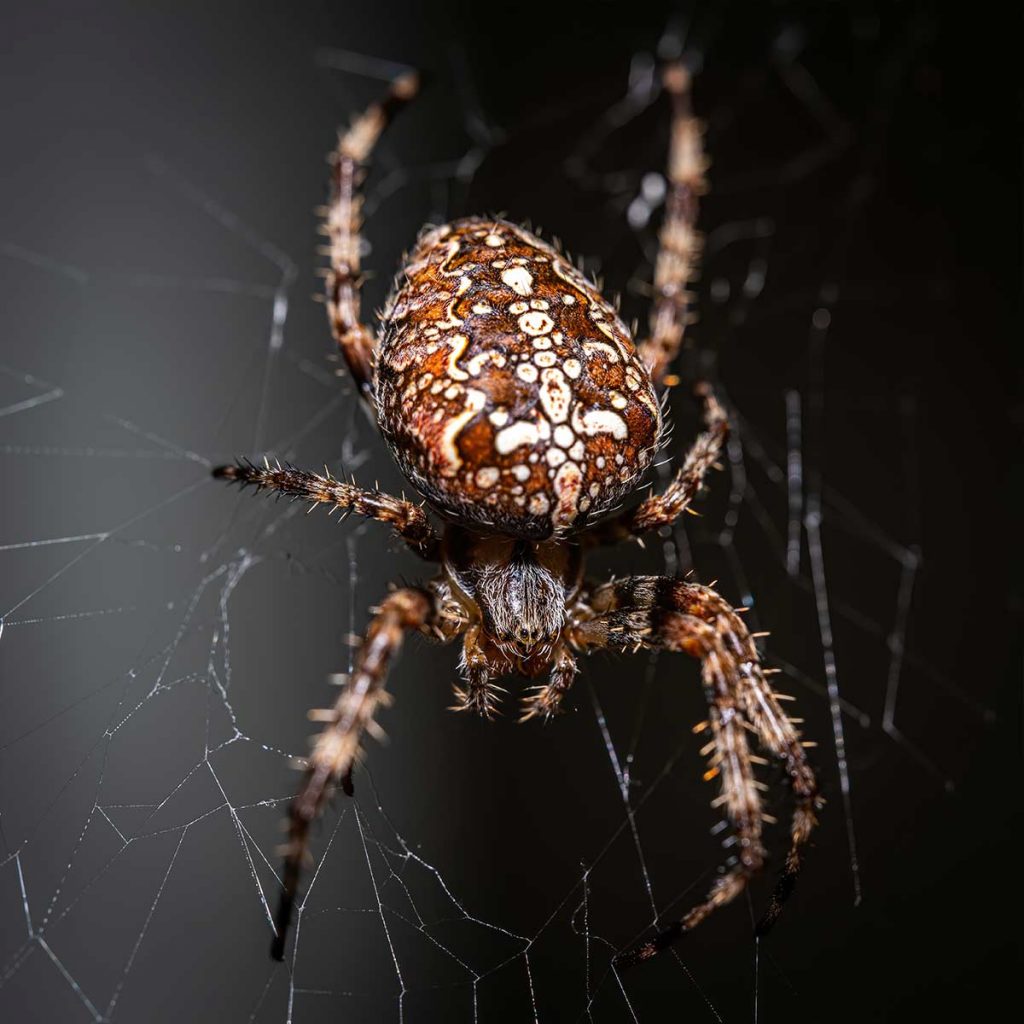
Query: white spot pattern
(575,384)
(519,279)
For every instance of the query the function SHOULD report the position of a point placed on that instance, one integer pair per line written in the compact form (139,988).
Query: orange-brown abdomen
(508,389)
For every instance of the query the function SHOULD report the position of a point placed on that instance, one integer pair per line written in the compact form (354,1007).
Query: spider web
(161,637)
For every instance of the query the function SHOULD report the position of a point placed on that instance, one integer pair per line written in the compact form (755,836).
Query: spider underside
(518,404)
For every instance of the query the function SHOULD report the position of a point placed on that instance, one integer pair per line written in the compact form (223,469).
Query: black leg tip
(767,922)
(281,923)
(783,890)
(661,941)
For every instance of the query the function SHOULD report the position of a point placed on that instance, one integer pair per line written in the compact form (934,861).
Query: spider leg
(479,694)
(342,226)
(408,519)
(664,509)
(338,745)
(679,245)
(546,701)
(653,611)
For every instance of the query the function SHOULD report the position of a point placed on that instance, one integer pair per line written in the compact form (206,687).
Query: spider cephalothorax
(521,588)
(515,400)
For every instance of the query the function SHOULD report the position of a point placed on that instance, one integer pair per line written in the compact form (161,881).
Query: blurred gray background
(163,636)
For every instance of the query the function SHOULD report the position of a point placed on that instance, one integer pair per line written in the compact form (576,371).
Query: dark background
(161,166)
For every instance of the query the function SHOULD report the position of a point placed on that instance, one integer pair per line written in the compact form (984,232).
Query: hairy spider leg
(679,244)
(660,612)
(343,224)
(776,732)
(546,701)
(336,748)
(479,694)
(408,519)
(679,247)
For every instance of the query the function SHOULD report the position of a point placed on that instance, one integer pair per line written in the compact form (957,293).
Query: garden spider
(514,399)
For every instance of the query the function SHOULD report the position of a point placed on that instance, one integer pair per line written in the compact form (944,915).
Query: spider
(516,402)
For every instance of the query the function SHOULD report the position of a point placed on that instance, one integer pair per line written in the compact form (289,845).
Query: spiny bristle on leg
(542,702)
(480,702)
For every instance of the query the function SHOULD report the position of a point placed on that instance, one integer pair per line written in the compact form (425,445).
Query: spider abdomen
(508,389)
